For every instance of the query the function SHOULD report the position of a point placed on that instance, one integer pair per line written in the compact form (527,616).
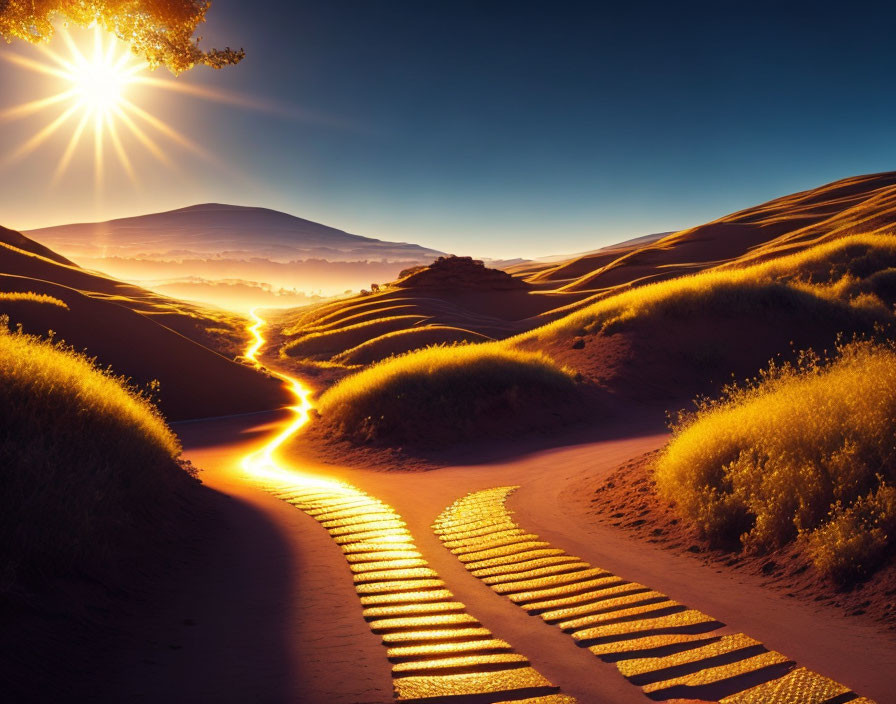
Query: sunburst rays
(98,89)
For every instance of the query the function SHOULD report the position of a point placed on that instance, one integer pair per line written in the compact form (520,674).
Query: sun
(100,82)
(98,89)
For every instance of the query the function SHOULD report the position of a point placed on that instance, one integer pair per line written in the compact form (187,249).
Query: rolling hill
(214,229)
(353,331)
(214,242)
(186,348)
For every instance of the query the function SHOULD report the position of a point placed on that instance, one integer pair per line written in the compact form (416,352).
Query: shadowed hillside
(681,316)
(454,299)
(97,460)
(692,334)
(95,506)
(145,336)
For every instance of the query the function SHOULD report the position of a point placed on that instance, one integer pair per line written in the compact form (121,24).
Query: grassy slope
(786,225)
(749,315)
(446,394)
(87,465)
(678,338)
(141,334)
(332,331)
(402,341)
(806,451)
(832,272)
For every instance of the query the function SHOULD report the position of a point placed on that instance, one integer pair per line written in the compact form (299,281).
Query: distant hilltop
(452,273)
(220,230)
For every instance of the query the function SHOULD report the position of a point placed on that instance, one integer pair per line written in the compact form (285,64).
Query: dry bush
(445,393)
(803,451)
(31,297)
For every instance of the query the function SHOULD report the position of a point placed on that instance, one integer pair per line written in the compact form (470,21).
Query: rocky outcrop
(452,273)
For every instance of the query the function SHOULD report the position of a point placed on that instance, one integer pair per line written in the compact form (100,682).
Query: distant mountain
(228,244)
(222,231)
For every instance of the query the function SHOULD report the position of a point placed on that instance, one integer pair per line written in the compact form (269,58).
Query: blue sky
(506,129)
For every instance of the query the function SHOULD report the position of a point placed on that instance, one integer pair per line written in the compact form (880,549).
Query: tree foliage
(161,31)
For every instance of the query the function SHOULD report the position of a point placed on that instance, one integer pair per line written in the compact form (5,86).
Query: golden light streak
(122,154)
(35,105)
(142,137)
(169,132)
(36,66)
(217,96)
(70,149)
(98,121)
(41,136)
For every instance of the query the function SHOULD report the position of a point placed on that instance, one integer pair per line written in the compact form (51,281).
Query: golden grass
(846,283)
(443,392)
(804,450)
(86,460)
(31,297)
(830,273)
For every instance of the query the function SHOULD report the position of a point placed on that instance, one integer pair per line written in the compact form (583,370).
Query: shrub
(86,462)
(805,450)
(857,538)
(444,393)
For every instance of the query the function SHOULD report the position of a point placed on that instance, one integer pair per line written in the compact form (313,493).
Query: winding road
(457,586)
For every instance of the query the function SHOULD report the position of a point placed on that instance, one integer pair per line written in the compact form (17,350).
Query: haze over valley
(234,256)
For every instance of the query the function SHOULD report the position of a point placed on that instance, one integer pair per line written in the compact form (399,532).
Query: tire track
(666,648)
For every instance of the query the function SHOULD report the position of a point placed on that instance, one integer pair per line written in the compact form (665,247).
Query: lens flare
(98,84)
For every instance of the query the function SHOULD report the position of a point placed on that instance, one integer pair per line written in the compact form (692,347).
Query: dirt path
(293,627)
(850,650)
(269,615)
(292,603)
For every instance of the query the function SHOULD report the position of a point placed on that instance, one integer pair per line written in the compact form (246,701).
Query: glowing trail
(438,651)
(262,463)
(668,650)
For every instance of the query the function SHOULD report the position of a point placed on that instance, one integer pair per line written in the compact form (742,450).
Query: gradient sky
(493,128)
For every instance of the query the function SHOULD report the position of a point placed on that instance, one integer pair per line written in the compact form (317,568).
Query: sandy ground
(270,614)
